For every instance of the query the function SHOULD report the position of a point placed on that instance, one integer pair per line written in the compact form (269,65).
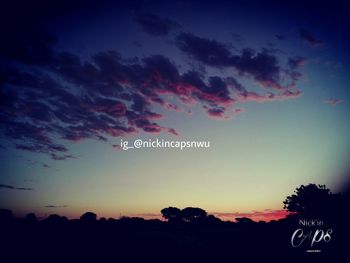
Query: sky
(266,84)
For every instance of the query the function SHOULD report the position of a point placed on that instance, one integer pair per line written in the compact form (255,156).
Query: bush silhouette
(31,218)
(55,219)
(6,215)
(244,220)
(88,217)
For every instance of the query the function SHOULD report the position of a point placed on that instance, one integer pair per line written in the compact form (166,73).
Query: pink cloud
(266,215)
(217,113)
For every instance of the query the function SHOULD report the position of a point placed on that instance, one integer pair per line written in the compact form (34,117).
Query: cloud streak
(266,215)
(333,101)
(10,187)
(310,39)
(55,206)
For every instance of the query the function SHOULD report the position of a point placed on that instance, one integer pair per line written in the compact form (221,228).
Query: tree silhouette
(54,219)
(88,217)
(309,200)
(172,214)
(192,214)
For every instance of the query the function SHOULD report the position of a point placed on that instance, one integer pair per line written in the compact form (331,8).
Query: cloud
(55,206)
(5,186)
(237,37)
(210,52)
(333,101)
(243,95)
(297,62)
(280,37)
(214,92)
(238,111)
(310,38)
(263,66)
(62,157)
(218,113)
(155,25)
(266,215)
(107,96)
(253,96)
(222,113)
(41,148)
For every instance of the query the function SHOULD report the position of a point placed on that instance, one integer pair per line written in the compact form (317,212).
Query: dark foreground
(137,240)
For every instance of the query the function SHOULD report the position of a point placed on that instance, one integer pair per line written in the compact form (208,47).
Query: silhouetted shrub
(88,217)
(31,218)
(244,220)
(6,216)
(54,219)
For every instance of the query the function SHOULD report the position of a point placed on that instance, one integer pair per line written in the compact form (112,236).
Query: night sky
(266,83)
